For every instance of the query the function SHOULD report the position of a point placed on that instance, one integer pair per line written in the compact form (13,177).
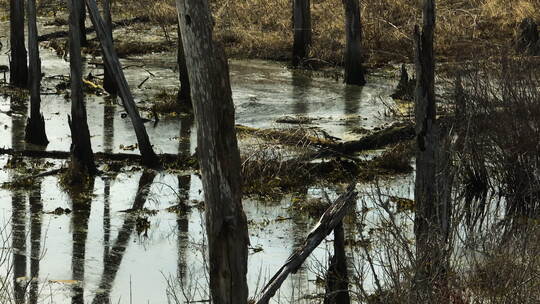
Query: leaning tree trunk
(35,126)
(18,75)
(219,158)
(149,157)
(184,96)
(354,72)
(431,219)
(108,82)
(82,158)
(302,30)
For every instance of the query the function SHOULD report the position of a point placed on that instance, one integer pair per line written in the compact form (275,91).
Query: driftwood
(89,30)
(329,220)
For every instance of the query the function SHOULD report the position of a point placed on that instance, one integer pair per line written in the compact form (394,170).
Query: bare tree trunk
(149,157)
(431,219)
(35,126)
(354,72)
(337,280)
(219,158)
(82,158)
(82,25)
(184,95)
(302,30)
(18,74)
(108,82)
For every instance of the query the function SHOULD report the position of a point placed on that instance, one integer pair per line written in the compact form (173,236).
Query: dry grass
(251,29)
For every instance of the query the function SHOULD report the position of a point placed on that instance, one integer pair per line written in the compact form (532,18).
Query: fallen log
(327,147)
(329,220)
(120,23)
(164,158)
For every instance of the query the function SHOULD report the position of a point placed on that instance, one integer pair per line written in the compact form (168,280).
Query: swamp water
(98,253)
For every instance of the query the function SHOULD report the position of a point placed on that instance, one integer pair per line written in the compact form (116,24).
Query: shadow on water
(113,259)
(81,204)
(36,209)
(300,92)
(184,184)
(18,202)
(109,110)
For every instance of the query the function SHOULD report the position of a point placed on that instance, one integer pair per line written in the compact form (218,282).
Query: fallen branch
(329,220)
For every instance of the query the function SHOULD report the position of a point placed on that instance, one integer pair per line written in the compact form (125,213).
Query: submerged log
(112,62)
(328,222)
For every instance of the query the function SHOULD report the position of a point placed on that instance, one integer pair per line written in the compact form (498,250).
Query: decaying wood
(329,220)
(327,147)
(35,125)
(149,157)
(219,157)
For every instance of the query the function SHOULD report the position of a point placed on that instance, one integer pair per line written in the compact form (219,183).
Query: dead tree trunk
(18,69)
(82,25)
(337,281)
(184,96)
(302,30)
(354,72)
(35,126)
(149,157)
(82,158)
(431,218)
(108,82)
(219,158)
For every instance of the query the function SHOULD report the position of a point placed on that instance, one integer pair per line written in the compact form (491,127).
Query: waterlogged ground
(98,253)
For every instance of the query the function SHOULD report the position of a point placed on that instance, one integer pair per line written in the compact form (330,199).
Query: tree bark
(218,153)
(302,30)
(149,157)
(184,96)
(431,218)
(82,25)
(82,160)
(18,69)
(35,126)
(354,72)
(108,82)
